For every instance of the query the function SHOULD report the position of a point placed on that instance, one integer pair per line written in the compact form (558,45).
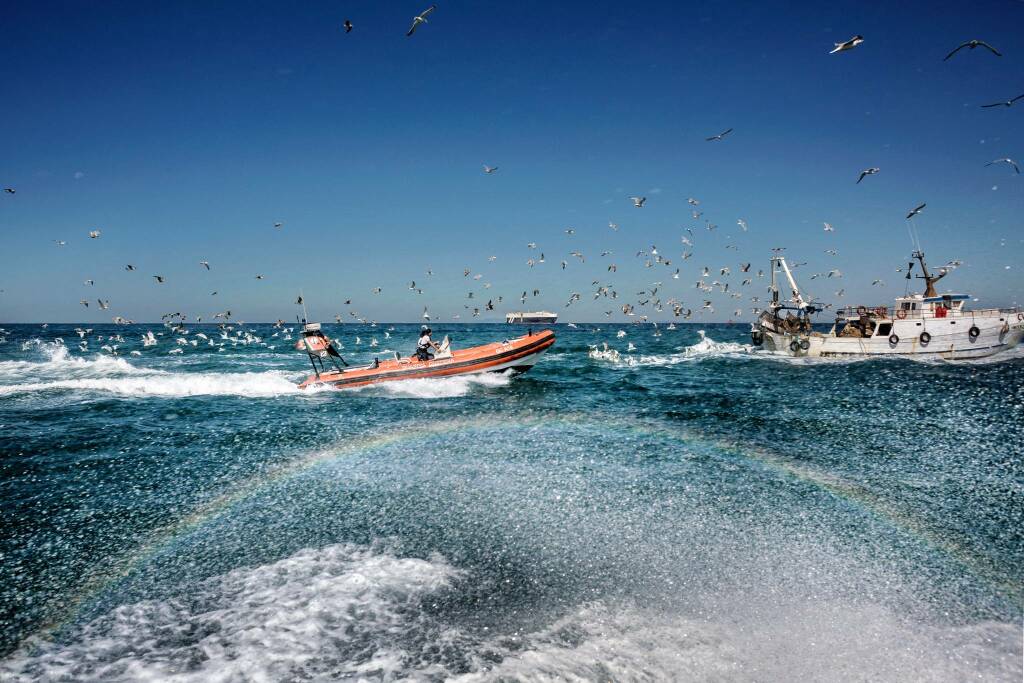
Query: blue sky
(184,131)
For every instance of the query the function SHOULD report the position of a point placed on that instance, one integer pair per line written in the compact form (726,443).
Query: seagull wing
(862,174)
(994,51)
(962,46)
(412,29)
(996,104)
(1016,98)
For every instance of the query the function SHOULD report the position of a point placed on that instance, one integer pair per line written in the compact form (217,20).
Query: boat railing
(889,312)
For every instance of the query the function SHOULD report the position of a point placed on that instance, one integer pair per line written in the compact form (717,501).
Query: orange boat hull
(516,355)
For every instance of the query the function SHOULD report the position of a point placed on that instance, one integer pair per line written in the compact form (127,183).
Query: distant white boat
(534,317)
(928,324)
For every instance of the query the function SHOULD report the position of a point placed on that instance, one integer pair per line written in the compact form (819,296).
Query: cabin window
(905,305)
(883,330)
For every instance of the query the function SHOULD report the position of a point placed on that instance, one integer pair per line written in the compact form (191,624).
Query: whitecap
(440,387)
(705,348)
(334,612)
(168,384)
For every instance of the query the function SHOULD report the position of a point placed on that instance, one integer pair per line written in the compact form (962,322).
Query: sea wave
(439,387)
(63,371)
(349,611)
(167,384)
(58,361)
(334,612)
(705,348)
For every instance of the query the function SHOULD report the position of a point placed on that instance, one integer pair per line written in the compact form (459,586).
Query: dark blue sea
(690,508)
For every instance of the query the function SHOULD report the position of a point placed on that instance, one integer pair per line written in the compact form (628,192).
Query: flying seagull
(9,190)
(848,45)
(638,202)
(348,26)
(421,19)
(719,136)
(1007,103)
(973,44)
(1011,162)
(205,264)
(129,267)
(866,172)
(94,234)
(829,228)
(489,169)
(916,211)
(159,279)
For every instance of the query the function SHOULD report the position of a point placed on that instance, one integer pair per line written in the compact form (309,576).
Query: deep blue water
(692,509)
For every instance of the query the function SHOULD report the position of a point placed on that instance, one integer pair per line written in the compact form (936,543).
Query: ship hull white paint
(949,339)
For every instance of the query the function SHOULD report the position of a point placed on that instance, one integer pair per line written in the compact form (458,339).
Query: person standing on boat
(424,345)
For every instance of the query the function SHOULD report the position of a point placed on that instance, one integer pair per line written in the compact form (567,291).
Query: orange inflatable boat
(515,355)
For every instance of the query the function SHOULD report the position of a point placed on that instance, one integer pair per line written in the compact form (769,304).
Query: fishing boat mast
(779,262)
(928,278)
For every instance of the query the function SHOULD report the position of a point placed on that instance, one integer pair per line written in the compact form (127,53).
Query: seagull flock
(639,305)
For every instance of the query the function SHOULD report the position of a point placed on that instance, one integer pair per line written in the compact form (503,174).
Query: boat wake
(355,611)
(62,371)
(437,387)
(704,349)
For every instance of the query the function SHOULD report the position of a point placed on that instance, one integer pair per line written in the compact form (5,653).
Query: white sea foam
(59,362)
(809,641)
(63,371)
(703,349)
(356,612)
(440,387)
(343,611)
(172,384)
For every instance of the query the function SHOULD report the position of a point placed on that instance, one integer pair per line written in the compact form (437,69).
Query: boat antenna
(305,316)
(915,240)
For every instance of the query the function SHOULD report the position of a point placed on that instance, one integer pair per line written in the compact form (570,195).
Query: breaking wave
(343,610)
(350,611)
(252,384)
(705,348)
(63,371)
(439,387)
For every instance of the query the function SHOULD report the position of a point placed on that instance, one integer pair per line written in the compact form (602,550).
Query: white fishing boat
(928,324)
